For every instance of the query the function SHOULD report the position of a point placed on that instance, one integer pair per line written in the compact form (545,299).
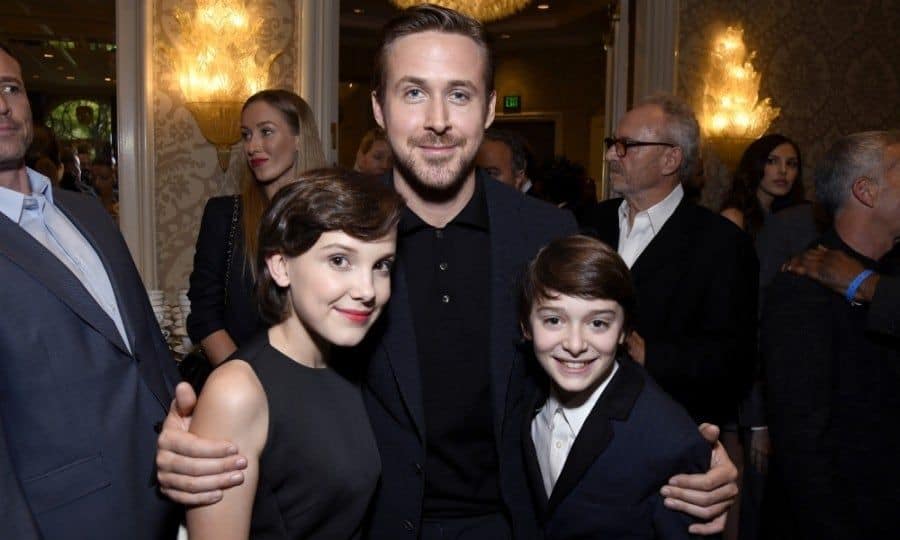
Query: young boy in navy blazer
(603,438)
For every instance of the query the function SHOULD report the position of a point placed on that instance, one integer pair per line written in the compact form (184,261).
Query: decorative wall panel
(832,66)
(185,164)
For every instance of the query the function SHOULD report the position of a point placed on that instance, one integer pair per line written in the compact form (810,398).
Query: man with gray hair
(695,273)
(834,383)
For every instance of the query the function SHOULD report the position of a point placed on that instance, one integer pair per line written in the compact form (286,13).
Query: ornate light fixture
(732,113)
(481,10)
(217,67)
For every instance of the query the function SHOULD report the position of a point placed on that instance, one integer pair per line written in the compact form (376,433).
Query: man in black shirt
(444,379)
(834,378)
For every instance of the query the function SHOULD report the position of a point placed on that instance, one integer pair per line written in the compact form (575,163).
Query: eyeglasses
(622,145)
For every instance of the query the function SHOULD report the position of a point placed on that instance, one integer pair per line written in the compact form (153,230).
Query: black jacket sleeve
(207,281)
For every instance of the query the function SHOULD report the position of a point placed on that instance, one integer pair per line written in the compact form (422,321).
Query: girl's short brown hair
(319,201)
(576,266)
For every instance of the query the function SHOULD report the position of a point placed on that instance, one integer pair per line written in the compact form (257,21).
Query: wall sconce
(217,68)
(732,116)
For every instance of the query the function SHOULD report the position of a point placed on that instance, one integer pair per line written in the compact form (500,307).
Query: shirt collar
(11,202)
(659,213)
(474,213)
(575,416)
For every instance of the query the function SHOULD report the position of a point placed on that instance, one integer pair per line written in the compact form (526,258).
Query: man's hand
(705,496)
(636,347)
(833,269)
(191,470)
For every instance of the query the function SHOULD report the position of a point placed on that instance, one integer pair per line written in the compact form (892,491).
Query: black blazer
(210,311)
(634,440)
(519,226)
(78,409)
(696,287)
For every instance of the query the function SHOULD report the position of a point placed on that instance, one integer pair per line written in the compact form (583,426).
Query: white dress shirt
(555,427)
(647,224)
(41,219)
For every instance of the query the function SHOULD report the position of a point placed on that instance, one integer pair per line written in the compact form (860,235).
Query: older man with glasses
(695,273)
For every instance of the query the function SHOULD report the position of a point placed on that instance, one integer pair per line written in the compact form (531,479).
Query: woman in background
(280,141)
(374,156)
(768,178)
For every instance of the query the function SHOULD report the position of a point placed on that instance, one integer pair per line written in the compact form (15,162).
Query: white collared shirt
(39,217)
(555,427)
(647,224)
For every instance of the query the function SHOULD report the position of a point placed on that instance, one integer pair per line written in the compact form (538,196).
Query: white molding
(617,64)
(319,26)
(134,134)
(655,46)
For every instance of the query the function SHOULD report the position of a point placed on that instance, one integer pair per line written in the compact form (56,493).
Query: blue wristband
(854,285)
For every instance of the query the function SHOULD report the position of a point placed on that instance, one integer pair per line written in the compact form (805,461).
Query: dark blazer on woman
(634,439)
(215,304)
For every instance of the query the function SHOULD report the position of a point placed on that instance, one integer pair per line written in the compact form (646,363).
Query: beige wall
(832,66)
(185,166)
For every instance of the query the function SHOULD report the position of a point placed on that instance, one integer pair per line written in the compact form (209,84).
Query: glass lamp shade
(220,124)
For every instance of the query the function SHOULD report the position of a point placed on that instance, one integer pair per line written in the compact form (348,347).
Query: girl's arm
(232,406)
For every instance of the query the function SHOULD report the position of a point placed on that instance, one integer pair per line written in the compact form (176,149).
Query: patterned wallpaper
(832,66)
(186,169)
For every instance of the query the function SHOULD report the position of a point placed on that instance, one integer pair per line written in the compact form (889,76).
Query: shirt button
(442,266)
(445,299)
(559,444)
(438,233)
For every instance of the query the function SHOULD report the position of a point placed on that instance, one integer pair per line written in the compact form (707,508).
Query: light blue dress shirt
(40,218)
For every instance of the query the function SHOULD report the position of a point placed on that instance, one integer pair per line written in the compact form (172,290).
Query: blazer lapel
(36,261)
(672,242)
(597,432)
(532,468)
(506,241)
(131,298)
(400,348)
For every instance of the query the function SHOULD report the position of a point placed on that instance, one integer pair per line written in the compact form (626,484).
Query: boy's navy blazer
(634,439)
(78,409)
(519,226)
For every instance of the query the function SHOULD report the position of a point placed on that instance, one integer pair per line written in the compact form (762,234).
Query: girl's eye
(599,323)
(384,266)
(551,321)
(266,131)
(339,261)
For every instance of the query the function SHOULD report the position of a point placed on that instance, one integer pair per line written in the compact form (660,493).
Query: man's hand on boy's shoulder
(705,496)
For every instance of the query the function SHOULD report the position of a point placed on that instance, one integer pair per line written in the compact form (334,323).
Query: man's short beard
(428,191)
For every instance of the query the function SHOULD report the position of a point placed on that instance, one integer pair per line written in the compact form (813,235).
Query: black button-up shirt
(448,276)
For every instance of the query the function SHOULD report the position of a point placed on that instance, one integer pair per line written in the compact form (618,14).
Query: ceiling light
(359,11)
(543,6)
(350,85)
(48,55)
(107,79)
(482,10)
(70,77)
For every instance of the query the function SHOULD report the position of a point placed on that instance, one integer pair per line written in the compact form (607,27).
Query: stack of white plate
(158,302)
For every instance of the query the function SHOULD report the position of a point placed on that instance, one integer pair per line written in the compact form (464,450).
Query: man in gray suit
(84,372)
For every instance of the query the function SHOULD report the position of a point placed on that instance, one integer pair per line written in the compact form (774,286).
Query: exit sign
(512,104)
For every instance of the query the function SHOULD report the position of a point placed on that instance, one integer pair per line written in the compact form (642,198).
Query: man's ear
(672,159)
(491,109)
(865,190)
(376,111)
(277,265)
